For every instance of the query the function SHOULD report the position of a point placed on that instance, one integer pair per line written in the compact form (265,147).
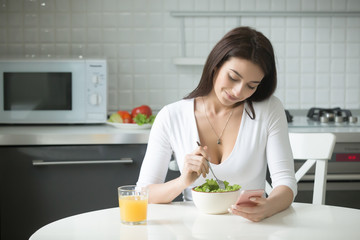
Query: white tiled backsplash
(318,57)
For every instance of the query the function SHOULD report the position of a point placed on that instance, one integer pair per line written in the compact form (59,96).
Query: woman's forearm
(280,199)
(165,192)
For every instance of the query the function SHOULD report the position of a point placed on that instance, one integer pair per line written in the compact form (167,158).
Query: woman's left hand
(279,199)
(253,213)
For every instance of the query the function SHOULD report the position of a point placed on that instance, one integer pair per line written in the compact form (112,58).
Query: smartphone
(244,196)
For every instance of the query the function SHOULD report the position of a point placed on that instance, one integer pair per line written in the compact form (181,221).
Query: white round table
(181,220)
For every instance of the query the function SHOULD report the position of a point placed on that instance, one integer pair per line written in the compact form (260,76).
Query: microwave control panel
(96,81)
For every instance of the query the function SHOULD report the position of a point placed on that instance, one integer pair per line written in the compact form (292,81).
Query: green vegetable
(212,186)
(141,119)
(115,118)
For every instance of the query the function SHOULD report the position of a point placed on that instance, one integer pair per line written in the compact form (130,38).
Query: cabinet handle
(43,163)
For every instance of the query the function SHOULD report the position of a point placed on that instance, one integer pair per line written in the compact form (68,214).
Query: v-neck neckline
(238,134)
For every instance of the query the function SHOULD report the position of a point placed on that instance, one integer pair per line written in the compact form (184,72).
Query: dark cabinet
(43,184)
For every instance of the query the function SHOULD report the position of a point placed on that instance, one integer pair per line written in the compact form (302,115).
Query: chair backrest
(312,145)
(315,148)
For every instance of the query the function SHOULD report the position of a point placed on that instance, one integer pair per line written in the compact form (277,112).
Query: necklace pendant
(219,141)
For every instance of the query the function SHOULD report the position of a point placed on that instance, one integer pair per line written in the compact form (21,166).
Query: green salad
(212,186)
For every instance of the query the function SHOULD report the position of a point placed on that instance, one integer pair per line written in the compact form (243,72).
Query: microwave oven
(53,91)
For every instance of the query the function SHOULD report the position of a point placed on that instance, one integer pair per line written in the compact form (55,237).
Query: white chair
(314,148)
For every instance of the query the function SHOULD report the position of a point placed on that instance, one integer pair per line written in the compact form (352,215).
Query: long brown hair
(245,43)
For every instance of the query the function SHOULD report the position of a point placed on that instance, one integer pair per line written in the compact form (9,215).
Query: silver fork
(219,182)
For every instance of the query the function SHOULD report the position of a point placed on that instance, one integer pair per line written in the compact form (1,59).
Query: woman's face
(237,80)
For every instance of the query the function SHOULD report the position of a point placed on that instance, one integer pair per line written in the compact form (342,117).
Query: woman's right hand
(195,164)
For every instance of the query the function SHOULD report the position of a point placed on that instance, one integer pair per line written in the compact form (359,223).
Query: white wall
(318,57)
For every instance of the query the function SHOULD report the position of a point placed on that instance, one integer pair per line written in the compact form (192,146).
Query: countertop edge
(105,134)
(70,135)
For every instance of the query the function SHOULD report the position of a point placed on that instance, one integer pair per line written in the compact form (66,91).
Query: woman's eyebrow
(236,73)
(242,76)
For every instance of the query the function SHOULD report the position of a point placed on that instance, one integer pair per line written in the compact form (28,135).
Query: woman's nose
(237,90)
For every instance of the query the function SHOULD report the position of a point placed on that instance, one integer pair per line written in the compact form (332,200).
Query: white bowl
(214,202)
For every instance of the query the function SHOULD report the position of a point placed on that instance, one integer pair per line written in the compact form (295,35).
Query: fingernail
(252,199)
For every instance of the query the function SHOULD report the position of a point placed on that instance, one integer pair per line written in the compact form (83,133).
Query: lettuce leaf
(141,119)
(212,186)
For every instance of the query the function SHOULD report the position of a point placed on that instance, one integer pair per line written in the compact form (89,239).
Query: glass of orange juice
(133,202)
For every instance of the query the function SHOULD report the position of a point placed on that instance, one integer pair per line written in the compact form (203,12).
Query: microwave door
(37,91)
(42,97)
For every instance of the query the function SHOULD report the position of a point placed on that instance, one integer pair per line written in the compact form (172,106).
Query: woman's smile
(231,97)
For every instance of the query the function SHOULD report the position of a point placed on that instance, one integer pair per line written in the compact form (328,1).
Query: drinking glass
(133,202)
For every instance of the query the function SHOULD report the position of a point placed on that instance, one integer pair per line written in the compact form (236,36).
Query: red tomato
(125,115)
(144,109)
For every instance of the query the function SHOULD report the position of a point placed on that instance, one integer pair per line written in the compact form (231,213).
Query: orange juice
(133,208)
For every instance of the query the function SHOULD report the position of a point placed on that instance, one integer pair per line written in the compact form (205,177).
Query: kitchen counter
(345,132)
(70,135)
(346,135)
(105,134)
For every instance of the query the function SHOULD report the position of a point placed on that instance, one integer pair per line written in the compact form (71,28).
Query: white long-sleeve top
(260,142)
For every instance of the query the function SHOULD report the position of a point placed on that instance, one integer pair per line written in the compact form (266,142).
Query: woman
(242,128)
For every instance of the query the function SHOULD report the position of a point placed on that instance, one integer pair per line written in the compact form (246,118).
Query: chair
(314,148)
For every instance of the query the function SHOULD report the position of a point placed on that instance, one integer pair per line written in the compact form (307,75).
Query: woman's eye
(232,79)
(252,88)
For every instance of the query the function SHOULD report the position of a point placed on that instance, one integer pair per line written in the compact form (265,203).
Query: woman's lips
(231,98)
